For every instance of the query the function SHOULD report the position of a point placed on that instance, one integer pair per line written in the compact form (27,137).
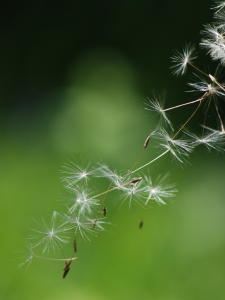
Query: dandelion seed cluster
(86,208)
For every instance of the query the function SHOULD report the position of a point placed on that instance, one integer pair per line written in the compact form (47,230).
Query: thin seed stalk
(57,259)
(151,161)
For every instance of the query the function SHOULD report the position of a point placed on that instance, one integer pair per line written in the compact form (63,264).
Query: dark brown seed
(141,224)
(104,210)
(146,141)
(133,181)
(65,273)
(67,264)
(75,246)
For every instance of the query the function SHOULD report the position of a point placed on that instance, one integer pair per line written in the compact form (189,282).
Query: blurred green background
(73,80)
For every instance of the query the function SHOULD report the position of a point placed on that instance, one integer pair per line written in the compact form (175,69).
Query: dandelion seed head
(81,224)
(133,193)
(81,201)
(155,105)
(50,237)
(76,173)
(28,258)
(181,59)
(214,42)
(202,85)
(160,191)
(99,223)
(219,5)
(212,139)
(179,148)
(220,19)
(117,179)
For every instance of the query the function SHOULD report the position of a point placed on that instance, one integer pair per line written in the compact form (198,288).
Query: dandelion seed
(51,236)
(180,60)
(65,272)
(67,264)
(211,89)
(179,148)
(220,17)
(104,210)
(214,42)
(219,5)
(204,86)
(160,191)
(118,180)
(141,224)
(76,173)
(134,193)
(99,222)
(146,141)
(82,202)
(29,257)
(213,139)
(214,131)
(80,224)
(133,181)
(155,105)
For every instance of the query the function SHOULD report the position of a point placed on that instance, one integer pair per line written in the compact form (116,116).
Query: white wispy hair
(219,5)
(76,173)
(118,180)
(51,236)
(212,139)
(160,190)
(220,19)
(29,256)
(219,132)
(134,193)
(80,224)
(155,105)
(81,202)
(179,148)
(214,42)
(83,225)
(206,86)
(181,59)
(99,222)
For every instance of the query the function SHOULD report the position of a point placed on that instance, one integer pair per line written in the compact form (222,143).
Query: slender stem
(112,189)
(104,199)
(101,206)
(205,96)
(115,188)
(59,247)
(108,190)
(93,185)
(98,194)
(151,161)
(184,104)
(187,121)
(198,69)
(130,172)
(214,80)
(220,85)
(221,123)
(105,192)
(206,116)
(55,258)
(145,211)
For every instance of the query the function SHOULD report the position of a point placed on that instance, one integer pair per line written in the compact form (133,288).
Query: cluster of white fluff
(85,208)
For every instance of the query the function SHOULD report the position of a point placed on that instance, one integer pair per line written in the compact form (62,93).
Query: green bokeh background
(74,77)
